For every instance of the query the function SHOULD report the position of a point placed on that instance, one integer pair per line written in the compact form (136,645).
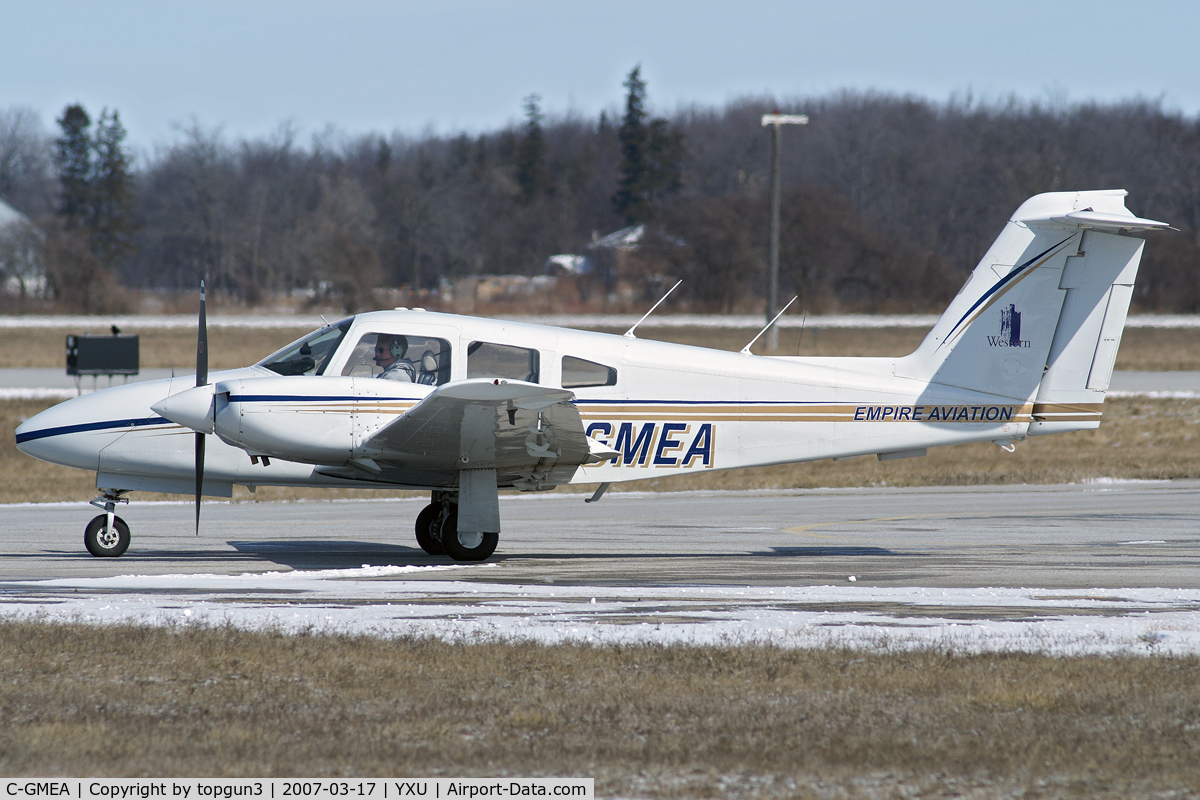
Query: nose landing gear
(107,535)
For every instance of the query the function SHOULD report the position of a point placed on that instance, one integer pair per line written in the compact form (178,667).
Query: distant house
(566,264)
(611,254)
(21,269)
(605,261)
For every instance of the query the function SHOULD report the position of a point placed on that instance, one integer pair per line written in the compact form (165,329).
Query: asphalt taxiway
(1119,534)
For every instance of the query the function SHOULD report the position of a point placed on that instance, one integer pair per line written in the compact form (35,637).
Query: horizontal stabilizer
(1115,223)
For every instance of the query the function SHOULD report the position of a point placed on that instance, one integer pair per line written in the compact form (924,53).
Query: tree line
(888,200)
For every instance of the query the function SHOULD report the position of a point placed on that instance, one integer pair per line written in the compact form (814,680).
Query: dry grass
(1152,349)
(157,347)
(644,720)
(1139,439)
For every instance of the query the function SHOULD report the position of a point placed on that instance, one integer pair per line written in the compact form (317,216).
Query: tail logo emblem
(1010,329)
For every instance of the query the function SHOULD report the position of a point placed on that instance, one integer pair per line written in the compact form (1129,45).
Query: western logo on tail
(1010,329)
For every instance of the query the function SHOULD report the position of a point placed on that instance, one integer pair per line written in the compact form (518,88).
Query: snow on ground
(386,601)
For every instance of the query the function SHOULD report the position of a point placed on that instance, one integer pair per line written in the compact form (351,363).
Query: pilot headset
(399,346)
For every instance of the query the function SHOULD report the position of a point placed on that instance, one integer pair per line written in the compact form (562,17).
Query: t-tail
(1040,319)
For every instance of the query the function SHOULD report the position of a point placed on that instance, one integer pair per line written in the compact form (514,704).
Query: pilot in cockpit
(390,350)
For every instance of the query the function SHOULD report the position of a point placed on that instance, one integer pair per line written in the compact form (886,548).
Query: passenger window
(400,357)
(578,372)
(487,360)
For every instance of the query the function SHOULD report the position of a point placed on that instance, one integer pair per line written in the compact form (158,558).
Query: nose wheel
(104,540)
(107,535)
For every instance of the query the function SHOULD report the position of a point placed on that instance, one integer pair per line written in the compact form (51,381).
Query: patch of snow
(1155,395)
(389,601)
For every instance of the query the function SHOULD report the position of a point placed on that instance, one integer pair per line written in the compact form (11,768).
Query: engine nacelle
(310,419)
(297,418)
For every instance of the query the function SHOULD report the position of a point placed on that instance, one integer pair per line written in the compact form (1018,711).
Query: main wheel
(104,542)
(427,531)
(466,546)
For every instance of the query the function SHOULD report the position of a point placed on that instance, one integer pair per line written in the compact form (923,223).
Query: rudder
(1098,285)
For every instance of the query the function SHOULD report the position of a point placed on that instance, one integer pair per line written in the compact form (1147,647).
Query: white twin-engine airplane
(470,406)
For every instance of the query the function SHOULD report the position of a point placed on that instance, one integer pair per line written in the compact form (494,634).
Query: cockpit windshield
(310,355)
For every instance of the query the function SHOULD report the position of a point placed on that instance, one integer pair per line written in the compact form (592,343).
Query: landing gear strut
(107,536)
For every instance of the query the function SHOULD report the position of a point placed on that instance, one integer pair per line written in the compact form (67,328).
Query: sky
(249,67)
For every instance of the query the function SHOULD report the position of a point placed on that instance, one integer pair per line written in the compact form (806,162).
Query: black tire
(106,544)
(471,547)
(427,532)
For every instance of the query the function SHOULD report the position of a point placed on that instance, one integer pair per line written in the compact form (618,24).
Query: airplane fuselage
(726,410)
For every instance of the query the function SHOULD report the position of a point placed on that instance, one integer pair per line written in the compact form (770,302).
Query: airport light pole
(778,121)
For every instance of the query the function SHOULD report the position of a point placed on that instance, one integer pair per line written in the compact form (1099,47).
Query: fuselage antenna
(322,316)
(629,333)
(746,350)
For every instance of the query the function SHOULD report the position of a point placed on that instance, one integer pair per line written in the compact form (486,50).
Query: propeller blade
(201,380)
(202,344)
(199,476)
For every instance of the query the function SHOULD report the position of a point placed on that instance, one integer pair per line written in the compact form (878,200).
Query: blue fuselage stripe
(87,427)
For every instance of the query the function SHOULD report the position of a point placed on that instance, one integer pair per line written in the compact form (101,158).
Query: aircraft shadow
(335,554)
(309,554)
(642,555)
(844,552)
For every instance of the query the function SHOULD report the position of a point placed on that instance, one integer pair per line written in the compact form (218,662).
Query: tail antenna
(629,333)
(746,350)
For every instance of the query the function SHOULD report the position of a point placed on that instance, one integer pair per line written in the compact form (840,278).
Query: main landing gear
(438,534)
(107,536)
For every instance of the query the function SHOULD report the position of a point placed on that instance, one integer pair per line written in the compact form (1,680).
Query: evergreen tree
(531,153)
(630,200)
(650,156)
(96,184)
(73,159)
(112,223)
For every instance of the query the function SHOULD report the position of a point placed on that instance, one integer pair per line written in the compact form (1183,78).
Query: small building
(22,271)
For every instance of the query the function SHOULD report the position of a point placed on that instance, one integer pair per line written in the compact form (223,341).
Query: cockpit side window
(579,372)
(408,358)
(310,355)
(488,360)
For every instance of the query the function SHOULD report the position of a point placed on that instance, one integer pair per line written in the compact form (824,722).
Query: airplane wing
(531,435)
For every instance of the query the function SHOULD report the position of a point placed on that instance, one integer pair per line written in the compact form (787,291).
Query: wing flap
(514,427)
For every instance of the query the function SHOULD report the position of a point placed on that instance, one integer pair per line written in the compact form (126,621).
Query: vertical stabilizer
(1034,312)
